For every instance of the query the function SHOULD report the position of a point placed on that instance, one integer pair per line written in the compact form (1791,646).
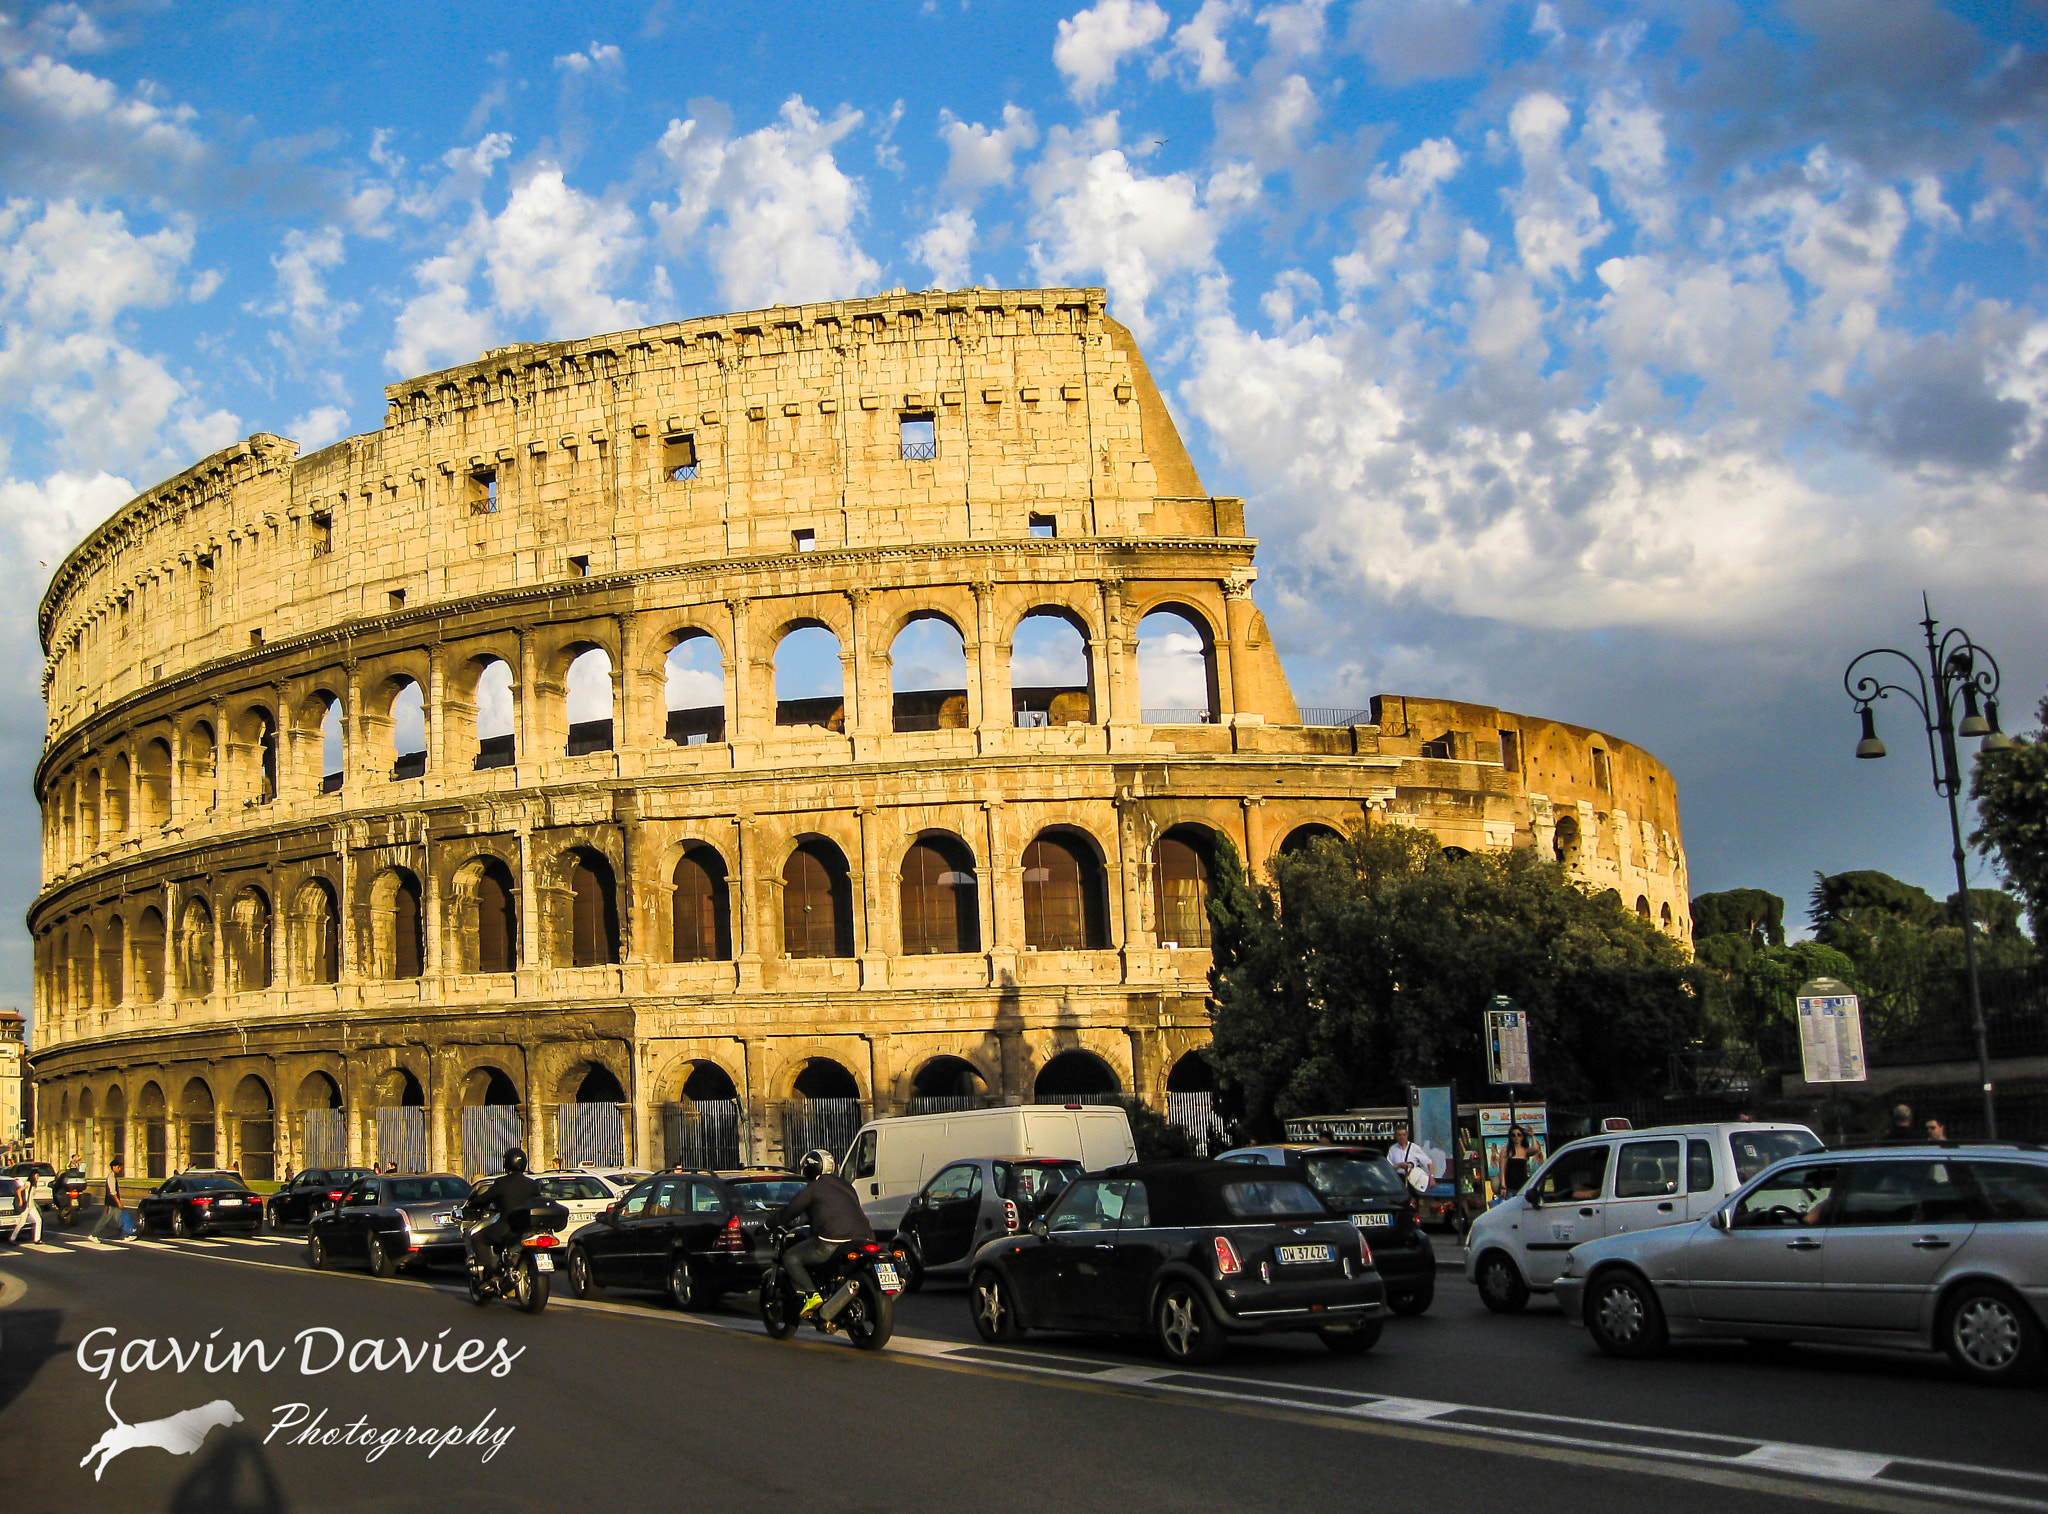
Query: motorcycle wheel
(66,1217)
(779,1305)
(530,1288)
(479,1290)
(869,1318)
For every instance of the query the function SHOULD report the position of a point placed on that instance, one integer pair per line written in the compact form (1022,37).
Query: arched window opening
(257,732)
(202,1134)
(396,936)
(408,732)
(151,1114)
(1180,887)
(400,1089)
(119,775)
(195,950)
(823,1078)
(149,955)
(323,1127)
(947,1083)
(154,793)
(1664,916)
(1076,1077)
(941,902)
(810,683)
(1176,671)
(488,1086)
(1050,673)
(1643,906)
(496,746)
(85,968)
(316,935)
(817,902)
(202,766)
(1564,843)
(488,932)
(1066,903)
(249,941)
(589,702)
(707,1080)
(928,676)
(1455,854)
(701,908)
(693,679)
(333,746)
(255,1131)
(1303,837)
(1191,1074)
(89,812)
(600,1086)
(114,962)
(593,912)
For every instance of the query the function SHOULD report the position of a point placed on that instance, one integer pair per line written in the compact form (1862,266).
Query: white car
(1612,1184)
(586,1195)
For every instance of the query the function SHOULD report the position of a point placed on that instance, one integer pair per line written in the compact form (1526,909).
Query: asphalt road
(629,1403)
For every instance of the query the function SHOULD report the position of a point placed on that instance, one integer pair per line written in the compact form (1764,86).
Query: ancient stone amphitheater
(675,744)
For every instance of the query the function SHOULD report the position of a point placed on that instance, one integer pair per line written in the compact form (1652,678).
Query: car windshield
(1346,1176)
(345,1175)
(201,1185)
(426,1190)
(1259,1197)
(1754,1150)
(766,1193)
(1037,1183)
(573,1188)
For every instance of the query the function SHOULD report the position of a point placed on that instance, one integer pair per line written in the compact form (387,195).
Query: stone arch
(85,968)
(114,961)
(486,1083)
(494,695)
(114,1124)
(1565,841)
(483,916)
(1176,666)
(399,708)
(1183,875)
(1191,1073)
(928,674)
(1455,853)
(248,941)
(585,923)
(255,742)
(328,724)
(194,948)
(823,1078)
(1075,1073)
(700,913)
(939,896)
(315,934)
(397,925)
(317,1090)
(120,775)
(590,1081)
(1052,670)
(255,1130)
(1664,916)
(587,700)
(198,1114)
(1642,906)
(1066,892)
(810,682)
(705,1078)
(147,946)
(153,792)
(89,812)
(694,687)
(152,1116)
(398,1087)
(817,900)
(202,767)
(948,1078)
(1303,837)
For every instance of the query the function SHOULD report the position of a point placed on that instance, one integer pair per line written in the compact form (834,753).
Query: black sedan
(307,1193)
(1188,1252)
(200,1203)
(1356,1183)
(392,1222)
(694,1236)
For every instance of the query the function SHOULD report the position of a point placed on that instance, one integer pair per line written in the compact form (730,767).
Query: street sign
(1507,1042)
(1831,1034)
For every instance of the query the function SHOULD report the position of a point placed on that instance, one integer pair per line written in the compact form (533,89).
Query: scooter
(67,1195)
(525,1264)
(860,1284)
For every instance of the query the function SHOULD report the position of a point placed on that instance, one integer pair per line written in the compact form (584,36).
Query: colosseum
(681,743)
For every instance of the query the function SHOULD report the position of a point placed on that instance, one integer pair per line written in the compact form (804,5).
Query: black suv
(309,1192)
(695,1236)
(1356,1182)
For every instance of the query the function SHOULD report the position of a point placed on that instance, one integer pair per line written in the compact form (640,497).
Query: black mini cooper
(1356,1183)
(1188,1252)
(193,1204)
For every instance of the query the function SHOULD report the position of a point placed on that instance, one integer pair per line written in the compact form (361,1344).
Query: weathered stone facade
(792,897)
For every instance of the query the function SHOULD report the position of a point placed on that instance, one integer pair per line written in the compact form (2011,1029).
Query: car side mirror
(1038,1228)
(1721,1219)
(1532,1197)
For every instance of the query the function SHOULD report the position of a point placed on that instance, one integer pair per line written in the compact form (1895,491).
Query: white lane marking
(1404,1410)
(1129,1375)
(47,1248)
(1817,1461)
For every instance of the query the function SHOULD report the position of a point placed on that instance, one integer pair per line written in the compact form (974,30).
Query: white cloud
(772,210)
(599,57)
(979,157)
(1407,40)
(1556,217)
(64,130)
(1201,41)
(317,427)
(314,317)
(944,246)
(1093,42)
(48,518)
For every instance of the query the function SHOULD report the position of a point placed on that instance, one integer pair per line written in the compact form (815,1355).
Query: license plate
(1372,1221)
(231,1203)
(885,1274)
(543,1263)
(444,1220)
(1302,1253)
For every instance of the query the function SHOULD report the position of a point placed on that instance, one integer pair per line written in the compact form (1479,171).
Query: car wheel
(381,1264)
(1354,1342)
(182,1226)
(995,1312)
(316,1252)
(1414,1301)
(1623,1315)
(1991,1335)
(682,1282)
(1501,1287)
(582,1281)
(1187,1332)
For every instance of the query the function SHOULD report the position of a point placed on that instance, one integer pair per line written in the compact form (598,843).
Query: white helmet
(817,1164)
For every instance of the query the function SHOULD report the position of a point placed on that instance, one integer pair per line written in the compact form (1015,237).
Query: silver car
(1926,1247)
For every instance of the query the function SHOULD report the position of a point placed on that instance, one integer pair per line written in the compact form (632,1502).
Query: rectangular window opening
(920,436)
(805,541)
(256,638)
(1511,751)
(483,492)
(1045,526)
(1603,772)
(1443,748)
(323,535)
(396,599)
(678,458)
(579,567)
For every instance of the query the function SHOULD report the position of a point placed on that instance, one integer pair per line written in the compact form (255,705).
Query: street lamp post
(1959,669)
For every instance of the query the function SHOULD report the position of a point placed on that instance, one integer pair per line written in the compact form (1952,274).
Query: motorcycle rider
(833,1209)
(511,1197)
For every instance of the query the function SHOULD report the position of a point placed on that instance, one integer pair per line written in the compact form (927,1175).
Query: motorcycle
(860,1284)
(67,1196)
(526,1263)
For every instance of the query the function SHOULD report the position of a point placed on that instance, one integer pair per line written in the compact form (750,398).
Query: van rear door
(1105,1138)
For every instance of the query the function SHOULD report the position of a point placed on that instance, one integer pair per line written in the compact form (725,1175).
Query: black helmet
(515,1159)
(816,1164)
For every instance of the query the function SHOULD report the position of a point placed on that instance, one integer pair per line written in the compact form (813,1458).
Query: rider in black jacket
(833,1211)
(511,1197)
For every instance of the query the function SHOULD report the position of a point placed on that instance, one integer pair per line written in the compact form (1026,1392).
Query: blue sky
(1634,364)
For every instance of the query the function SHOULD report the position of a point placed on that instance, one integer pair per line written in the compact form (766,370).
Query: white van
(890,1159)
(1609,1184)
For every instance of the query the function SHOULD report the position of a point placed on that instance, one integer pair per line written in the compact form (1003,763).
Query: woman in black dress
(1514,1166)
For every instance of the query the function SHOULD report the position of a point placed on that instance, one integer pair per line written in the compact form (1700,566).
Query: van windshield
(1352,1177)
(1754,1150)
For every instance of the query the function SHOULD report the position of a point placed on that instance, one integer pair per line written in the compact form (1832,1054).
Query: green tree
(1366,966)
(2011,791)
(1752,914)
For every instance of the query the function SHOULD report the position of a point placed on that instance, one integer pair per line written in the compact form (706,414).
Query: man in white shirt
(1405,1157)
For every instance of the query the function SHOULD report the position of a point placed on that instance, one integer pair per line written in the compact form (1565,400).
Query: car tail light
(1010,1214)
(1227,1261)
(334,1195)
(730,1238)
(1364,1249)
(201,1202)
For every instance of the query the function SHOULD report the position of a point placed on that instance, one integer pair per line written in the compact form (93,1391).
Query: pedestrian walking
(1405,1157)
(110,1207)
(1903,1132)
(26,1212)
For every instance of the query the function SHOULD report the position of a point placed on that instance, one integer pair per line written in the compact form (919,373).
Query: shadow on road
(233,1477)
(28,1338)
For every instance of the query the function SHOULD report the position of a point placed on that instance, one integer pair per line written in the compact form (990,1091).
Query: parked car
(1356,1183)
(1187,1252)
(584,1195)
(890,1160)
(968,1204)
(1941,1248)
(763,1188)
(308,1192)
(692,1235)
(200,1203)
(392,1222)
(43,1175)
(1613,1185)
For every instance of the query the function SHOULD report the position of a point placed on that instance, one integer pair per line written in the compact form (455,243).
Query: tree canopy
(1752,914)
(2011,790)
(1366,965)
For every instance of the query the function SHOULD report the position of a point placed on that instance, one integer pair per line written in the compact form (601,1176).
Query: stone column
(170,945)
(1237,613)
(869,909)
(529,923)
(524,720)
(347,968)
(856,672)
(437,693)
(1115,681)
(739,676)
(745,906)
(355,762)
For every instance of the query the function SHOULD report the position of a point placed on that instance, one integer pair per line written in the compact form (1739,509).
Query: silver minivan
(1611,1185)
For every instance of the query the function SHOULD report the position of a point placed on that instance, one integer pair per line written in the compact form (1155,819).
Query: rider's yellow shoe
(811,1305)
